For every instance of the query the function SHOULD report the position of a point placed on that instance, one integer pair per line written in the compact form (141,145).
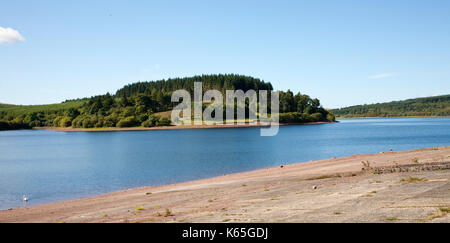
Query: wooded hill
(140,104)
(427,106)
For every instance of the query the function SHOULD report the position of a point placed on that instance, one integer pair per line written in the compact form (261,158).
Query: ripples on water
(52,166)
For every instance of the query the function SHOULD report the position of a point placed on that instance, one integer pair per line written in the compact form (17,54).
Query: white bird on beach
(25,199)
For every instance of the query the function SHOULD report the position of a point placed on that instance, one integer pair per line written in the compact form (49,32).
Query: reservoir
(50,166)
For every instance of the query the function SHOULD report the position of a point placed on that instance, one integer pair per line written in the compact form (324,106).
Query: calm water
(53,166)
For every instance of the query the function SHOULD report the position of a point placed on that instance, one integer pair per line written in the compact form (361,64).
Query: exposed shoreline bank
(316,191)
(182,127)
(381,117)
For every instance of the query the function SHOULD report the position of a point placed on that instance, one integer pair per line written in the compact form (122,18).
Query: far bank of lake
(181,127)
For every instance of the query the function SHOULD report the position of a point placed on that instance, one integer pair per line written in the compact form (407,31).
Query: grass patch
(392,219)
(139,208)
(445,210)
(330,176)
(442,212)
(370,194)
(226,220)
(148,193)
(337,213)
(322,177)
(166,213)
(266,190)
(415,160)
(412,180)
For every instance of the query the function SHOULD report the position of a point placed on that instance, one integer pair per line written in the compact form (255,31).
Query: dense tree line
(10,125)
(145,104)
(301,108)
(220,82)
(428,106)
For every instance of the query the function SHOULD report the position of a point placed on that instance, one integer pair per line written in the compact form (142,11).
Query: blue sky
(342,52)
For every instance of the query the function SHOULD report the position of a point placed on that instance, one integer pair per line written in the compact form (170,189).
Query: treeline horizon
(424,106)
(147,103)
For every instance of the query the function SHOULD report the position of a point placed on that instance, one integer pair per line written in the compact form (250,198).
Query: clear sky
(342,52)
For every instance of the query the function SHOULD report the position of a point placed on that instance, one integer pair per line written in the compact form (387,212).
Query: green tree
(65,122)
(128,122)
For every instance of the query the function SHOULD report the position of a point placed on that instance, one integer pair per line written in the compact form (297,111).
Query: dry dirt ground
(359,188)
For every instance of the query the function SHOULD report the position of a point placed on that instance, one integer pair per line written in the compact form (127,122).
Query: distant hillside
(147,104)
(428,106)
(20,109)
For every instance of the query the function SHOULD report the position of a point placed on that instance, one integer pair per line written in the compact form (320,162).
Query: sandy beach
(391,186)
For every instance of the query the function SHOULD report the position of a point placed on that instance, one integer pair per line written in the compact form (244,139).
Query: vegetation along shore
(148,104)
(420,107)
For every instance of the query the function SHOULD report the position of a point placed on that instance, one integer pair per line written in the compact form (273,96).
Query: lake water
(50,166)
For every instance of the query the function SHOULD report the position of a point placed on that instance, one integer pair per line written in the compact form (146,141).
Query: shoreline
(381,117)
(196,201)
(181,127)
